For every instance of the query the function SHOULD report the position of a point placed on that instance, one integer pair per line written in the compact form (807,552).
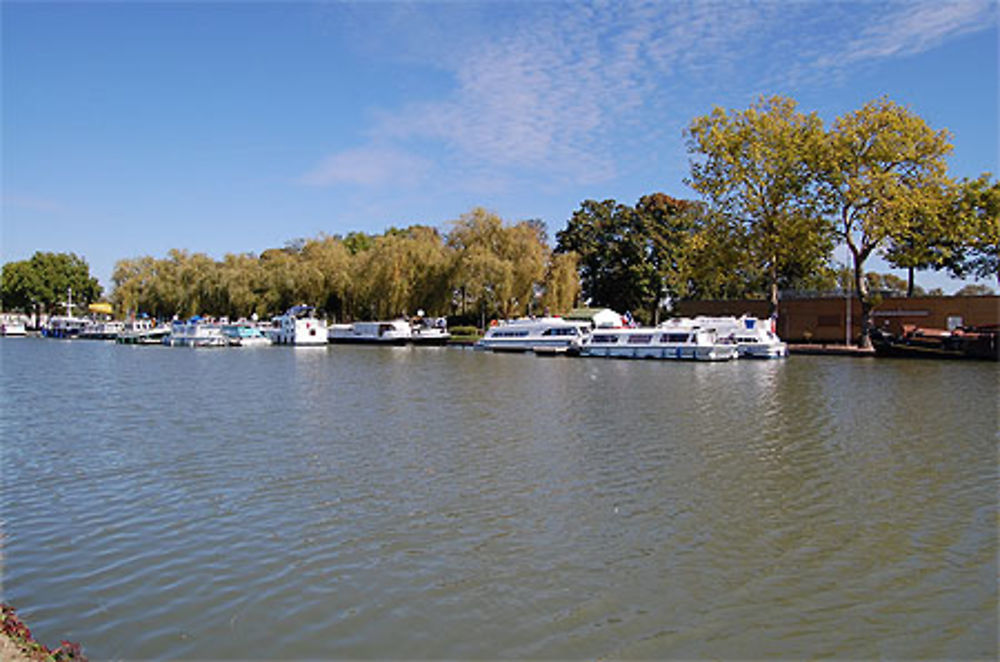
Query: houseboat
(677,339)
(299,326)
(195,332)
(13,325)
(143,331)
(395,332)
(245,335)
(754,338)
(429,330)
(541,335)
(64,326)
(96,329)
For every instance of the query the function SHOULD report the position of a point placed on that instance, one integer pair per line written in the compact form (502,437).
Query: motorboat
(754,338)
(299,326)
(677,339)
(245,335)
(429,331)
(64,326)
(143,331)
(96,329)
(394,332)
(541,335)
(196,332)
(13,325)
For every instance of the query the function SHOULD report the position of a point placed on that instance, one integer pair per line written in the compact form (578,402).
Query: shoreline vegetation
(780,192)
(18,645)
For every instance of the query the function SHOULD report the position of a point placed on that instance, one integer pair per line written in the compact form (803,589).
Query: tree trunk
(909,283)
(864,296)
(773,299)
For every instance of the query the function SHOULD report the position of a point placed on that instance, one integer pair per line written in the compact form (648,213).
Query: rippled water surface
(359,502)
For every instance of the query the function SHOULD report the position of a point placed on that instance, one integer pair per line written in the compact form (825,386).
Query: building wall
(825,320)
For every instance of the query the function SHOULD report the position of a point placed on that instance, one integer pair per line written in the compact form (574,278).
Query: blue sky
(133,128)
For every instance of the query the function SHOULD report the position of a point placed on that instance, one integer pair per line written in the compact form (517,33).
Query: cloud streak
(561,91)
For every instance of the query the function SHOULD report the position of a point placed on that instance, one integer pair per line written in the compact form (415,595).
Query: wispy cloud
(370,165)
(908,28)
(562,91)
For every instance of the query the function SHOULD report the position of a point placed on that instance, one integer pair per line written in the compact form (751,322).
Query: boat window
(640,339)
(675,337)
(561,331)
(608,338)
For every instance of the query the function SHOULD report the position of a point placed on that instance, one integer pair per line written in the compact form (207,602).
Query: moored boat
(754,338)
(96,329)
(245,335)
(676,339)
(394,332)
(143,331)
(12,325)
(299,326)
(64,326)
(922,342)
(429,331)
(544,334)
(195,332)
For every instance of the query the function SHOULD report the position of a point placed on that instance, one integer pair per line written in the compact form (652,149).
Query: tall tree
(616,269)
(977,207)
(46,280)
(883,167)
(758,166)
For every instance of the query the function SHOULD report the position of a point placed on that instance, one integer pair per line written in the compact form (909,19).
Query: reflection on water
(351,502)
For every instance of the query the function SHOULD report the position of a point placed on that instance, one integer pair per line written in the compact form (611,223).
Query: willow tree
(562,283)
(757,167)
(498,265)
(883,167)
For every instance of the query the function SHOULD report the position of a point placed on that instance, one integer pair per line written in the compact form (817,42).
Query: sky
(129,129)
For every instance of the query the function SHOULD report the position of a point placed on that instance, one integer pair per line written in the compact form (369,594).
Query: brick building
(825,319)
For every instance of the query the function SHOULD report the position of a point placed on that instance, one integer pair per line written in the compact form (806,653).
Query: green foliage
(360,277)
(882,172)
(757,167)
(976,208)
(45,280)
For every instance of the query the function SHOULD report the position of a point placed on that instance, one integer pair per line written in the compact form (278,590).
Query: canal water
(365,502)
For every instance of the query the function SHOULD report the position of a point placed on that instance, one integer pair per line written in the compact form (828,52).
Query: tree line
(482,267)
(780,191)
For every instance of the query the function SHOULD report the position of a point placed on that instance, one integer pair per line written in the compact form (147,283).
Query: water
(364,502)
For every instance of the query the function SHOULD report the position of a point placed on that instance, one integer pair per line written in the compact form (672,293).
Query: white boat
(754,338)
(299,326)
(676,339)
(542,335)
(143,331)
(13,325)
(195,332)
(245,335)
(429,331)
(395,332)
(64,326)
(102,329)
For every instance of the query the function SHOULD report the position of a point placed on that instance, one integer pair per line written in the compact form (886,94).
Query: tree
(498,265)
(883,167)
(977,208)
(562,283)
(975,290)
(616,269)
(757,167)
(46,280)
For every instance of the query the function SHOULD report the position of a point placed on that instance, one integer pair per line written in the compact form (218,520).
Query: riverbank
(830,350)
(17,644)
